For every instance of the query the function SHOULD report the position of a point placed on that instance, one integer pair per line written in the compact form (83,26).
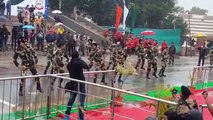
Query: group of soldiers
(29,60)
(96,56)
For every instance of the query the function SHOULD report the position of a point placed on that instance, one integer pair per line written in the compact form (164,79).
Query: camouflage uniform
(29,60)
(50,50)
(164,58)
(141,56)
(58,64)
(119,60)
(211,56)
(183,108)
(112,55)
(91,56)
(99,64)
(152,61)
(89,47)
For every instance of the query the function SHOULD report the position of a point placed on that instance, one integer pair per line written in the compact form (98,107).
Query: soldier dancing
(89,46)
(119,60)
(50,50)
(152,61)
(112,56)
(97,57)
(28,62)
(141,55)
(163,63)
(58,65)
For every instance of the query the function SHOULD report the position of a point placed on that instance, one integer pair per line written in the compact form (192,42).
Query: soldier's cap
(21,40)
(95,44)
(185,91)
(90,40)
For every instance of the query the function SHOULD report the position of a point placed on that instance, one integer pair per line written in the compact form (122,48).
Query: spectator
(210,107)
(75,68)
(31,10)
(8,6)
(32,38)
(57,19)
(185,104)
(1,38)
(6,34)
(26,34)
(40,40)
(172,52)
(202,54)
(171,115)
(70,44)
(21,17)
(2,8)
(211,56)
(13,37)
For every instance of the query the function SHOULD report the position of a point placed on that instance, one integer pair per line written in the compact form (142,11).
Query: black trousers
(201,58)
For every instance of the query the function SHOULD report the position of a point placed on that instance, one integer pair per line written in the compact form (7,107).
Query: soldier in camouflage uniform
(141,56)
(211,56)
(112,55)
(164,58)
(50,50)
(28,62)
(89,46)
(97,58)
(119,60)
(58,64)
(152,61)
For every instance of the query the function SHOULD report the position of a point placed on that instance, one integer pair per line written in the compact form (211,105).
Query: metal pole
(113,105)
(190,36)
(60,2)
(157,109)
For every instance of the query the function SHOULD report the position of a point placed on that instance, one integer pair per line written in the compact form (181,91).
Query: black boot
(147,76)
(39,87)
(162,75)
(154,74)
(142,65)
(21,91)
(95,80)
(103,80)
(45,72)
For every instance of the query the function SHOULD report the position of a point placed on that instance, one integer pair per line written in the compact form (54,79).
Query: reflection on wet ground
(176,75)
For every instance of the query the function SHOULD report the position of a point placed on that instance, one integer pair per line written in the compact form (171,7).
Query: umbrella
(148,33)
(28,27)
(58,24)
(197,35)
(3,19)
(56,12)
(17,24)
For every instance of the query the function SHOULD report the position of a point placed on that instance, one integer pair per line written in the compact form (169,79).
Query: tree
(173,21)
(198,11)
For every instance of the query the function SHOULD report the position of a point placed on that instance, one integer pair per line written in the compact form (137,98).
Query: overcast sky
(205,4)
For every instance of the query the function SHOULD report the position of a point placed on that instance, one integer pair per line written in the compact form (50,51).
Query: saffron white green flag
(126,12)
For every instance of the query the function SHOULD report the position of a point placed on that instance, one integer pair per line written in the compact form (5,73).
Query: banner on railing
(18,5)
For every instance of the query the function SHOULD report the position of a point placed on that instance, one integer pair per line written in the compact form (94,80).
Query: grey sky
(205,4)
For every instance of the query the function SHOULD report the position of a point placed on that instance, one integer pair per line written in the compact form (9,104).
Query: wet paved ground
(176,75)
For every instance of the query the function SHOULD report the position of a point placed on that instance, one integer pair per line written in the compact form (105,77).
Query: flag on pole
(119,12)
(126,12)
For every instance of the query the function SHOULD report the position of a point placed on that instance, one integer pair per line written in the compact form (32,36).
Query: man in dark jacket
(172,52)
(75,68)
(202,54)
